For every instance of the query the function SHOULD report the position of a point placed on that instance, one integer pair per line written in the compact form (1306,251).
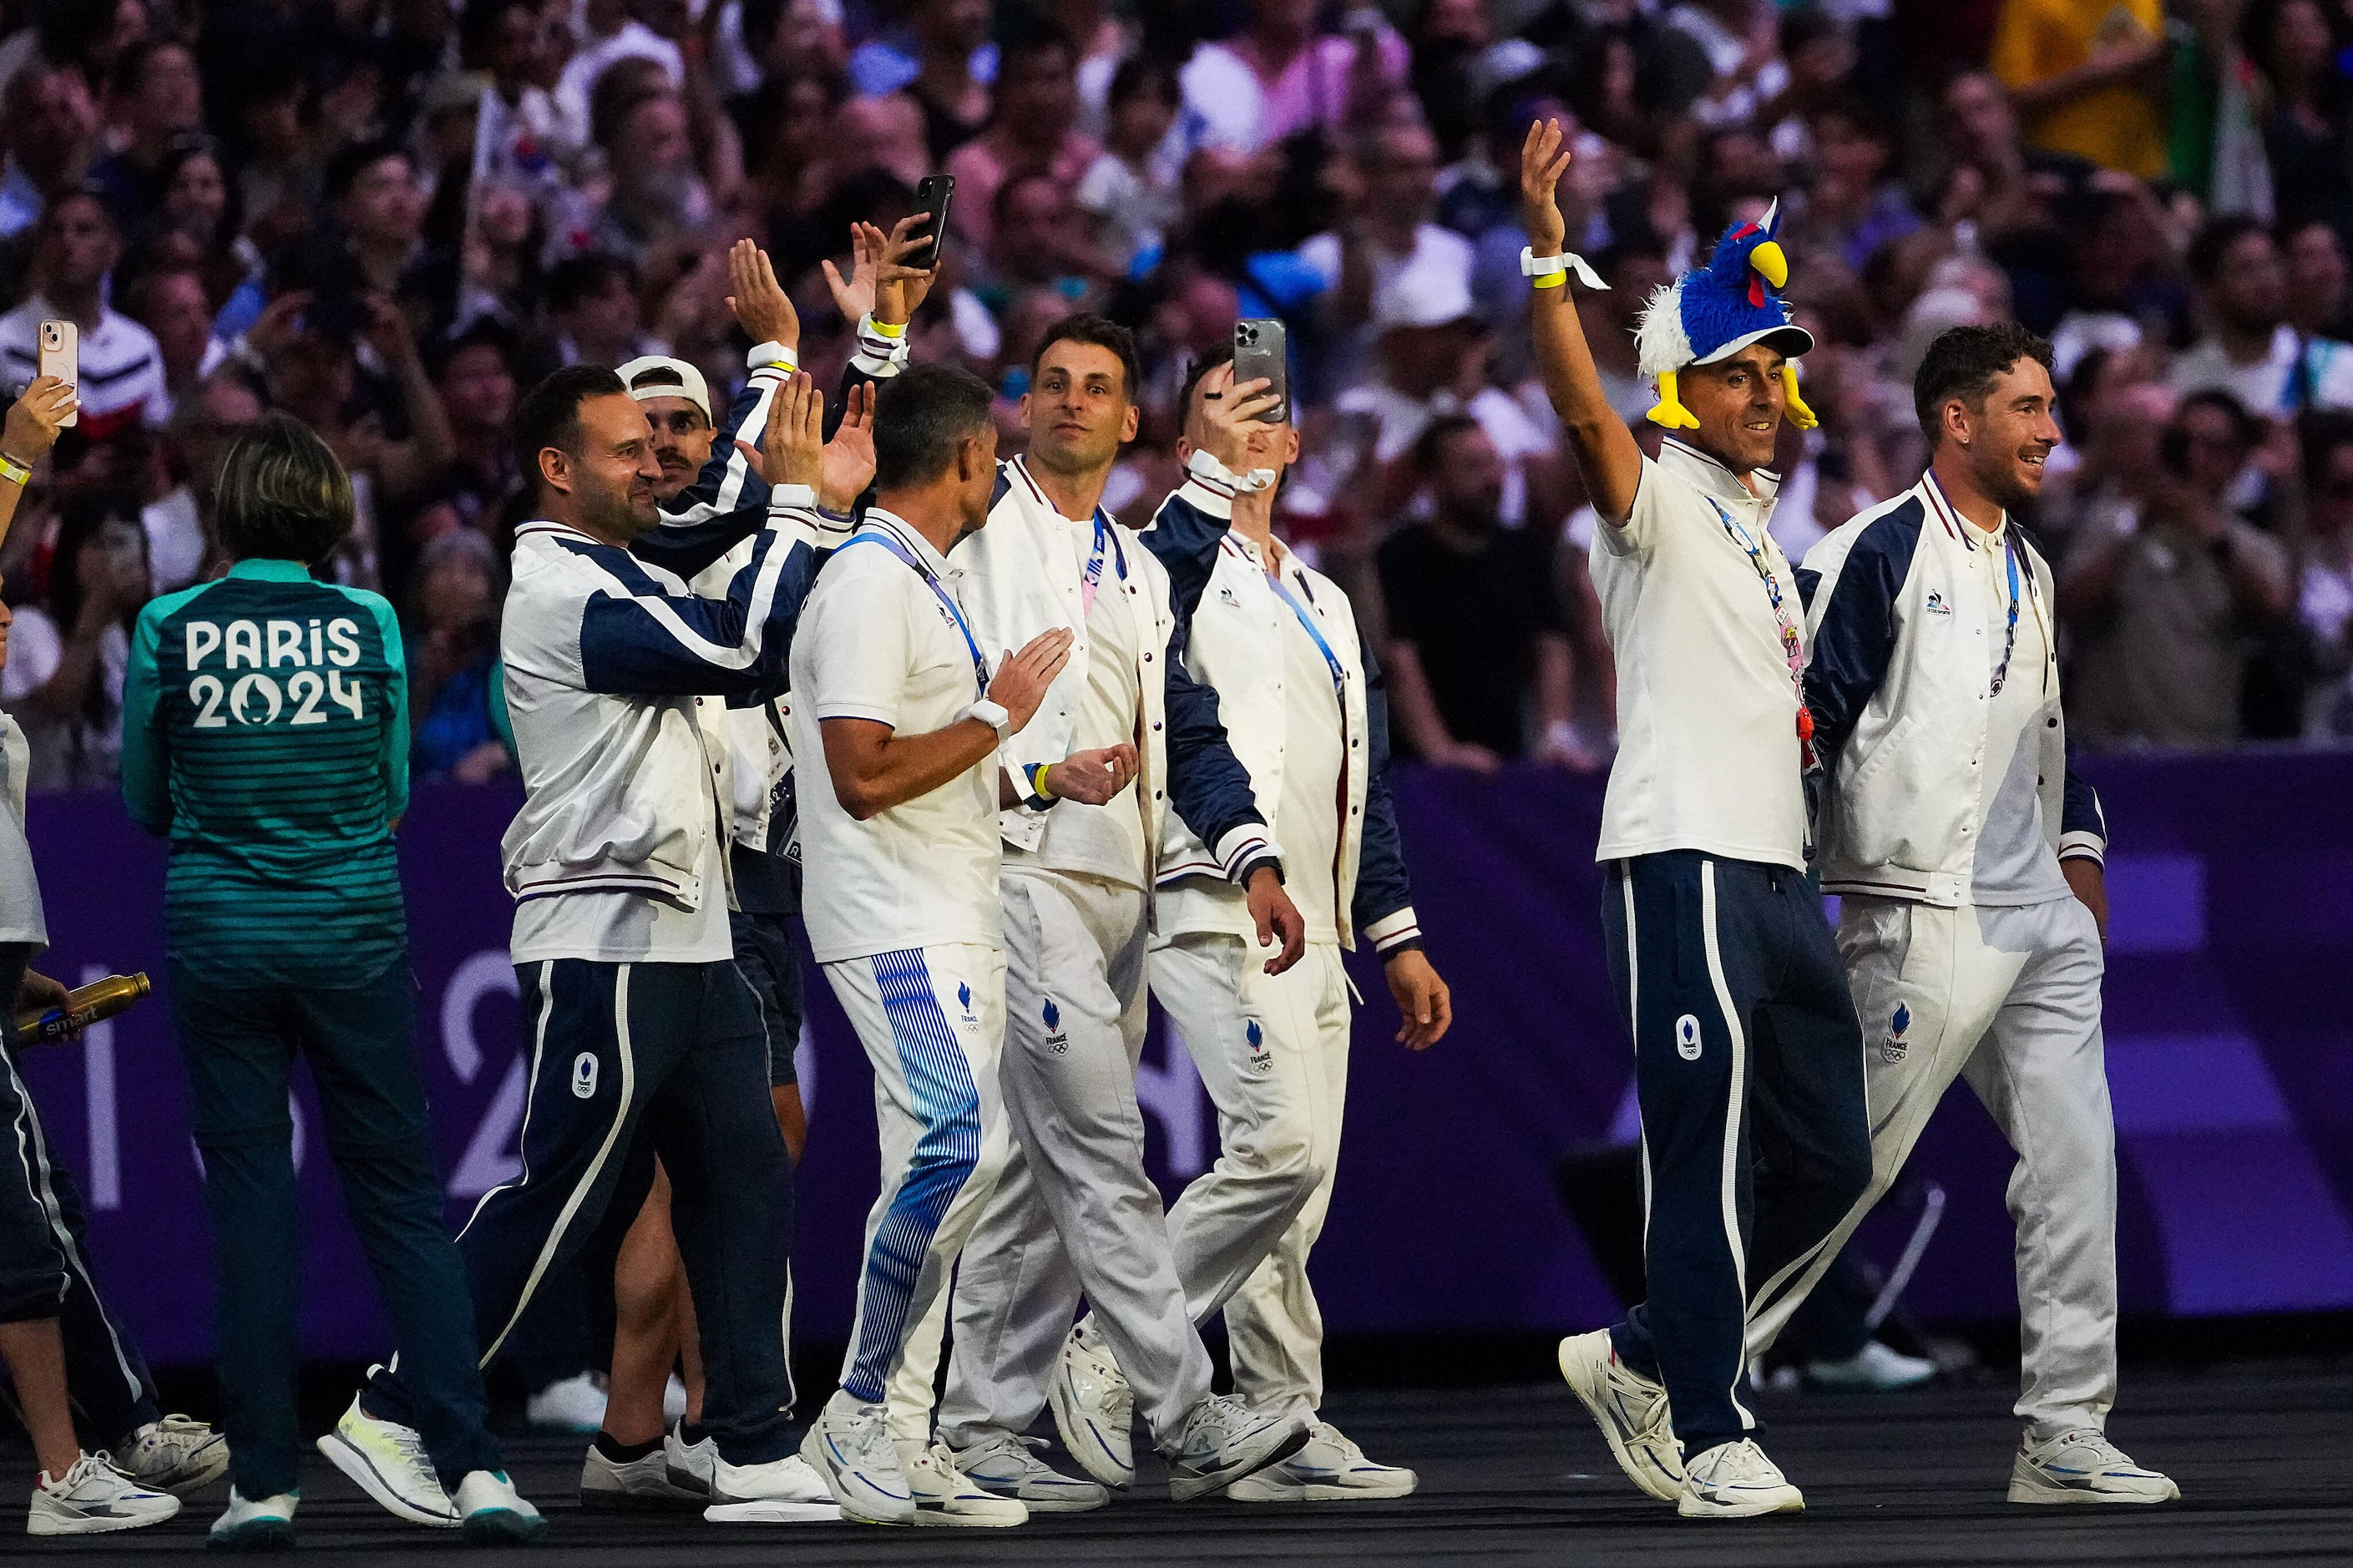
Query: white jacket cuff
(2084,846)
(878,354)
(1216,499)
(1390,930)
(1250,841)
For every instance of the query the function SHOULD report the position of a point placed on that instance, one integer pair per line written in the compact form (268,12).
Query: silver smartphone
(1261,353)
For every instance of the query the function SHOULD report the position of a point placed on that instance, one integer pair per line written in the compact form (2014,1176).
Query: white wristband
(993,715)
(1534,266)
(1205,464)
(772,354)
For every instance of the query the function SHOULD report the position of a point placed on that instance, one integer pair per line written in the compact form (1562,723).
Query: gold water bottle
(84,1007)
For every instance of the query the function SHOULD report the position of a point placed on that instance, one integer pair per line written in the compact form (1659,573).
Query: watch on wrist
(993,715)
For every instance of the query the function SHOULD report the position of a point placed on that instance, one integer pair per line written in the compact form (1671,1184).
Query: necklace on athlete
(1793,647)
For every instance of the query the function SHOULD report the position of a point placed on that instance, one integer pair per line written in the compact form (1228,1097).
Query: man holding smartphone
(1123,736)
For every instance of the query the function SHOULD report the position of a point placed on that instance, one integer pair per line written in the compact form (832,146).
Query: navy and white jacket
(607,651)
(1898,686)
(1228,636)
(1019,579)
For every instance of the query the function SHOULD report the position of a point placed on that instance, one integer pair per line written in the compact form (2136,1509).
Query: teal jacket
(266,732)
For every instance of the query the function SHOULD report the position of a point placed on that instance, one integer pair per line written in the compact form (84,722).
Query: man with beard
(1968,855)
(1123,736)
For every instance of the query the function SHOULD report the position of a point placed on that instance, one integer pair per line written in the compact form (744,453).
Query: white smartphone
(61,357)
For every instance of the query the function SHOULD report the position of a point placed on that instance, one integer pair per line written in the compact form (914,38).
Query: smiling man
(1967,854)
(1748,1058)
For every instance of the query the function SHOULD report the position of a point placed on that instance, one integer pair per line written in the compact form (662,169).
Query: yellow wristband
(889,328)
(15,472)
(1551,280)
(1036,772)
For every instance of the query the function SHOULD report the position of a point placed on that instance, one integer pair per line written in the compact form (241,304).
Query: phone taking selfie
(60,357)
(932,194)
(1261,353)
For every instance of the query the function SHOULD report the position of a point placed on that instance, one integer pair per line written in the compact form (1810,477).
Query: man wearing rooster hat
(1748,1059)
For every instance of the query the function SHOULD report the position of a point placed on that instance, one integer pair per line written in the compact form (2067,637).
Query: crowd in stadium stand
(390,216)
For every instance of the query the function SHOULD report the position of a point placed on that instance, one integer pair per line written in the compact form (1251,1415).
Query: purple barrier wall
(2230,1003)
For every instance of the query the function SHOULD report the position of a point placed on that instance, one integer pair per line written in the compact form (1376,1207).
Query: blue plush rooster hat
(1713,313)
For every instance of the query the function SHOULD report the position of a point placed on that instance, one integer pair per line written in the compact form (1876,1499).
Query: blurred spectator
(178,525)
(2325,596)
(373,191)
(171,304)
(121,370)
(2307,121)
(1280,75)
(195,225)
(609,33)
(1477,647)
(520,135)
(1033,131)
(452,639)
(2250,350)
(51,126)
(155,97)
(477,386)
(1387,233)
(2216,150)
(1131,188)
(1742,40)
(954,65)
(1856,206)
(2317,300)
(658,196)
(2084,74)
(2168,598)
(68,655)
(592,304)
(1040,245)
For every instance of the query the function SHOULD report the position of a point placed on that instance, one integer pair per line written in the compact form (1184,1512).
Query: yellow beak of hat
(1771,265)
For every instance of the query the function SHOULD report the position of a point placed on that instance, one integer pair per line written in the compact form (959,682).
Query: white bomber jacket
(1899,687)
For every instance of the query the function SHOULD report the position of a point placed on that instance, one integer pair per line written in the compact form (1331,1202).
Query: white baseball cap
(688,383)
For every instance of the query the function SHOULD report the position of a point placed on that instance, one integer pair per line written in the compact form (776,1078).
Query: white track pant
(2009,998)
(1273,1052)
(933,1022)
(1074,1210)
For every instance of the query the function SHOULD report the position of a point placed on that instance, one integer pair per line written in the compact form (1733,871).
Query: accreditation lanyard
(1792,648)
(873,535)
(2009,633)
(1092,579)
(1331,659)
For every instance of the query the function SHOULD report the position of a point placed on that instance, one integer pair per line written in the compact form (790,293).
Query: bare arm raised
(1606,453)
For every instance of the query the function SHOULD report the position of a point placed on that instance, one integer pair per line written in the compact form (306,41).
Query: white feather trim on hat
(1661,340)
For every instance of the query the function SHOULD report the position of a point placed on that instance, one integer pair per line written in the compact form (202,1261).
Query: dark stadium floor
(1517,1474)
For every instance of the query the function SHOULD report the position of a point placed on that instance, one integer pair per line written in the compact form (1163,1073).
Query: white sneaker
(782,1492)
(494,1514)
(387,1461)
(1009,1466)
(1874,1369)
(265,1525)
(1226,1440)
(1094,1409)
(574,1405)
(174,1455)
(1630,1410)
(674,1401)
(849,1447)
(638,1485)
(690,1465)
(944,1495)
(93,1498)
(1330,1468)
(2080,1465)
(1735,1480)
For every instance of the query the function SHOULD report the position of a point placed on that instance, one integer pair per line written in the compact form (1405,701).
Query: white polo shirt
(1708,738)
(877,640)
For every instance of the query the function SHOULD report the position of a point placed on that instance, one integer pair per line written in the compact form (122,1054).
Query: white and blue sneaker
(175,1455)
(1009,1466)
(1630,1409)
(493,1513)
(1330,1468)
(387,1461)
(1225,1440)
(944,1495)
(93,1498)
(1094,1408)
(2080,1465)
(849,1447)
(266,1524)
(1735,1480)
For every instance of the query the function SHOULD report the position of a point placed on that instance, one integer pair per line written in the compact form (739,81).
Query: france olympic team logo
(584,1075)
(1687,1037)
(1056,1041)
(964,1000)
(1896,1047)
(1256,1039)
